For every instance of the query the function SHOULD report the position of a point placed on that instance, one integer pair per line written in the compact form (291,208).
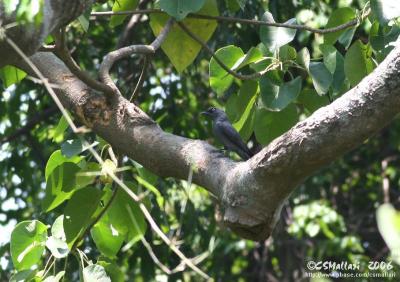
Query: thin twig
(225,67)
(123,52)
(141,78)
(235,20)
(148,246)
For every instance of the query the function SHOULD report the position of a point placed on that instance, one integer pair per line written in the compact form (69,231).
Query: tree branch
(251,193)
(118,54)
(238,20)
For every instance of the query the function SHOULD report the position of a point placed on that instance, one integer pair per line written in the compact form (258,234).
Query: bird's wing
(230,133)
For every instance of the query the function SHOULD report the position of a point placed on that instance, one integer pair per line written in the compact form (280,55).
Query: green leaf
(180,48)
(358,62)
(334,62)
(11,75)
(60,185)
(220,80)
(244,107)
(62,125)
(347,37)
(385,10)
(275,37)
(269,125)
(118,215)
(122,5)
(57,159)
(380,38)
(95,273)
(287,53)
(106,237)
(277,97)
(27,244)
(180,8)
(254,54)
(57,247)
(389,226)
(84,20)
(79,212)
(88,174)
(338,17)
(71,148)
(321,77)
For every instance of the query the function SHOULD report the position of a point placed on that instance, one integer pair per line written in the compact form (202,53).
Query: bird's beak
(205,113)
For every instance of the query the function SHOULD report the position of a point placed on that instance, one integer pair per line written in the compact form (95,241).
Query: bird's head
(214,113)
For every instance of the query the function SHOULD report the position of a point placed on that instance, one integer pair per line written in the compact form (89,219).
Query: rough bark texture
(250,193)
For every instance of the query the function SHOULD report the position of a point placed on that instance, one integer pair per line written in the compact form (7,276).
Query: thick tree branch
(250,193)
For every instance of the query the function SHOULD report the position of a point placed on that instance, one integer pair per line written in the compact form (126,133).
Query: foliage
(49,178)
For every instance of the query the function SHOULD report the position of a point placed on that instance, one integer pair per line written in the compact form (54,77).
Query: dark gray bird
(227,134)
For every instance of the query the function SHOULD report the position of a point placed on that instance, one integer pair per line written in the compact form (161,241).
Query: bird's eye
(212,109)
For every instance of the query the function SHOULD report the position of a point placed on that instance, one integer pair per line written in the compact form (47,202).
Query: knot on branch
(94,108)
(249,206)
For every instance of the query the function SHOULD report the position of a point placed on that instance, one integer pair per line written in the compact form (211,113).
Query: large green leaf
(358,62)
(277,97)
(10,75)
(268,125)
(180,8)
(122,5)
(220,80)
(27,244)
(107,238)
(338,17)
(79,212)
(385,10)
(119,216)
(275,37)
(180,48)
(60,185)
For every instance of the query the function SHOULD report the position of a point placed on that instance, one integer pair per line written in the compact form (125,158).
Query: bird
(226,134)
